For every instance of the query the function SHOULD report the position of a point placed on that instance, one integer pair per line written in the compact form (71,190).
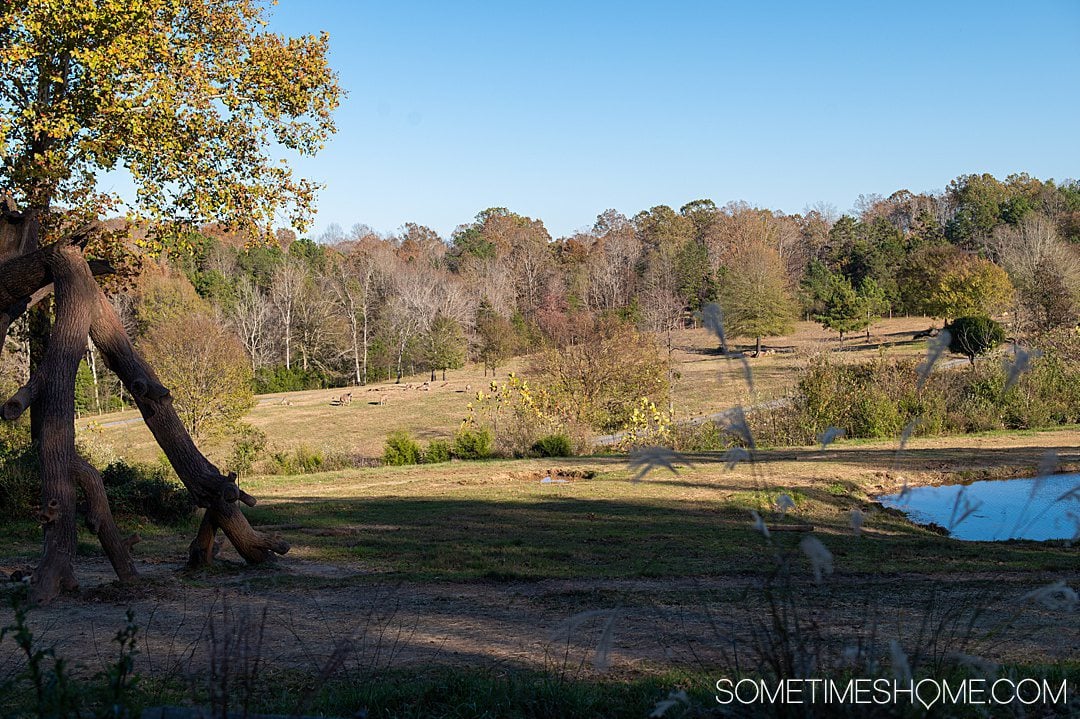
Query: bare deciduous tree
(286,285)
(250,317)
(355,281)
(1045,270)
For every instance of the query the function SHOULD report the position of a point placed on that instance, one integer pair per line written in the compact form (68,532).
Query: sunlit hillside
(707,383)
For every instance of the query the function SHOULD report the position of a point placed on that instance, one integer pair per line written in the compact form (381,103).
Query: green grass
(495,520)
(501,522)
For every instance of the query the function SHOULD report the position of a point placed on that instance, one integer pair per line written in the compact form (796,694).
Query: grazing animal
(285,402)
(344,399)
(932,332)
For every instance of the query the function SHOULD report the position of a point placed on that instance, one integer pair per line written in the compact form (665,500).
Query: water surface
(1030,508)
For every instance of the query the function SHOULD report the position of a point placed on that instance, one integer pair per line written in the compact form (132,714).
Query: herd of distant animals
(347,398)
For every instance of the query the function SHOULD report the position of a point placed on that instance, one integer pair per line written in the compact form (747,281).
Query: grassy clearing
(502,521)
(706,385)
(497,520)
(452,579)
(468,568)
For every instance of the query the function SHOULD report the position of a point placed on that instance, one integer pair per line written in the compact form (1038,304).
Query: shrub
(20,481)
(306,460)
(401,449)
(146,490)
(554,445)
(600,381)
(249,446)
(881,398)
(974,336)
(279,379)
(205,368)
(473,443)
(438,450)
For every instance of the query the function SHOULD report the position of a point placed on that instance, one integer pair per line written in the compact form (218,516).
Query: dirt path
(311,608)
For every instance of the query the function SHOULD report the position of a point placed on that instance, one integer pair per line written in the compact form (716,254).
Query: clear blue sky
(560,110)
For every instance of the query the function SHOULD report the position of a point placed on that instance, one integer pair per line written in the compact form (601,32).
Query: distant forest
(353,307)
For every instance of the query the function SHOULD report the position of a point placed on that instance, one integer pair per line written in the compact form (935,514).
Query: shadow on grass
(929,459)
(559,536)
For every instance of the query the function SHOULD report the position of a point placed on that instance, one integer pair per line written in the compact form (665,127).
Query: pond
(1032,508)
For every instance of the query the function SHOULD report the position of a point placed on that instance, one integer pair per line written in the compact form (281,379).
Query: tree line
(353,307)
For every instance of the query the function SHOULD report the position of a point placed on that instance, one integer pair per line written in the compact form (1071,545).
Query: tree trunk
(91,358)
(288,345)
(400,357)
(209,488)
(53,412)
(363,379)
(51,395)
(83,309)
(757,353)
(355,351)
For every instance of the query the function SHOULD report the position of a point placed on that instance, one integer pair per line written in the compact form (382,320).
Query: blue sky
(560,110)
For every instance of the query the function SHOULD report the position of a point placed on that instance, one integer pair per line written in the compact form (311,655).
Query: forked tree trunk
(51,394)
(82,309)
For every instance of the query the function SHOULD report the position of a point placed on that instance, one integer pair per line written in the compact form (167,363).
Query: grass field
(707,384)
(480,589)
(476,566)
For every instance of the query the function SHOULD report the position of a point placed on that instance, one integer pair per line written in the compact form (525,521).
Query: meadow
(563,587)
(706,385)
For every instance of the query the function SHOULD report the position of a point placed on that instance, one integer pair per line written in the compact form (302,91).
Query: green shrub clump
(974,336)
(883,398)
(473,443)
(268,380)
(554,445)
(307,460)
(146,490)
(438,450)
(249,446)
(401,449)
(20,481)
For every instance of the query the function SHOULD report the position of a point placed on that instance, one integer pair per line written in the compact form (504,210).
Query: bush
(306,460)
(554,445)
(473,443)
(600,381)
(974,336)
(249,446)
(20,481)
(401,449)
(438,450)
(205,368)
(146,490)
(704,437)
(880,398)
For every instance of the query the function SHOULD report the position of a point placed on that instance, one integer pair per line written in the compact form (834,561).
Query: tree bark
(100,521)
(82,309)
(53,405)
